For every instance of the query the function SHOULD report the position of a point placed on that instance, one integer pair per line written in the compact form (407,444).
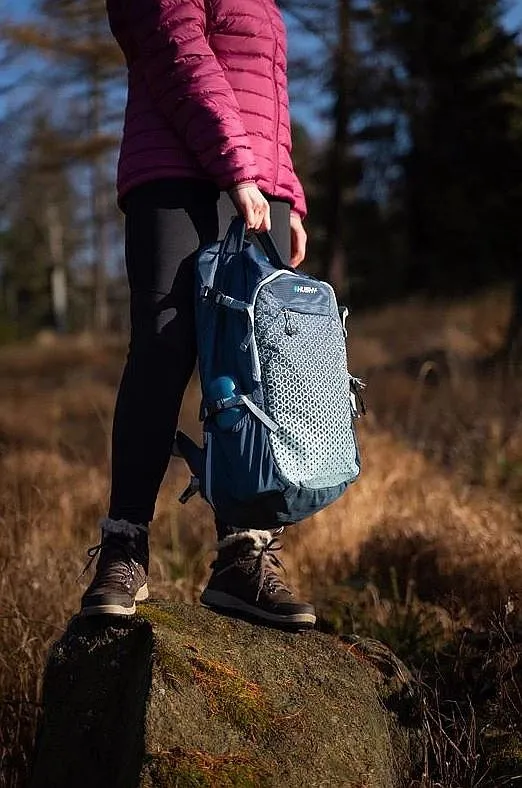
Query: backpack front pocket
(239,463)
(306,390)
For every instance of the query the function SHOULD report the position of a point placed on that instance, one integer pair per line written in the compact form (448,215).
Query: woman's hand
(298,239)
(252,206)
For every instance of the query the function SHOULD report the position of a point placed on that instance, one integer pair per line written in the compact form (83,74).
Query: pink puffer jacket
(207,94)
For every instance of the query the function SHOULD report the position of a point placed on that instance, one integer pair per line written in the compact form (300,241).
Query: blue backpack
(278,403)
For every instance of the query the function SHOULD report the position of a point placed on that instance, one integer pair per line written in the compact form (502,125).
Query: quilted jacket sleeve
(189,87)
(299,201)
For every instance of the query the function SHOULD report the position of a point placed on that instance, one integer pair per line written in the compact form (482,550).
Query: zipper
(254,353)
(276,100)
(290,327)
(256,365)
(208,468)
(356,398)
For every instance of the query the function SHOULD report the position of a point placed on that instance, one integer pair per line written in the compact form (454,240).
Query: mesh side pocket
(306,391)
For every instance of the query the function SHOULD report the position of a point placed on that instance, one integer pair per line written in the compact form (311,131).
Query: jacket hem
(124,185)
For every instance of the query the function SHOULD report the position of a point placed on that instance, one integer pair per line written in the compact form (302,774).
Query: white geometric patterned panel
(306,388)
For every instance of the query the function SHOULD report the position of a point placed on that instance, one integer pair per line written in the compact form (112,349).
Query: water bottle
(222,388)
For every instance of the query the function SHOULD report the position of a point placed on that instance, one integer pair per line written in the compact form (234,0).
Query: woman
(207,135)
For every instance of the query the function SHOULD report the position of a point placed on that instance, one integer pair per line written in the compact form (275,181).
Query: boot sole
(117,610)
(220,601)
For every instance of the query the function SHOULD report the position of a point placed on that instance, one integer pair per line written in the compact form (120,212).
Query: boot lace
(267,562)
(117,560)
(263,561)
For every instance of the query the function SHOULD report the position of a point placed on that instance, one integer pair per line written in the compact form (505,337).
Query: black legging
(166,221)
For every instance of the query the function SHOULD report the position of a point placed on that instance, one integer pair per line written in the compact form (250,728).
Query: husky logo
(305,289)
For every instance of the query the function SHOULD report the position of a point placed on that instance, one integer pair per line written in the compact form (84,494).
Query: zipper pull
(290,328)
(356,399)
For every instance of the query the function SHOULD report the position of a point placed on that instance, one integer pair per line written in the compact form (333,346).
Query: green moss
(172,661)
(180,768)
(159,615)
(167,775)
(173,665)
(241,702)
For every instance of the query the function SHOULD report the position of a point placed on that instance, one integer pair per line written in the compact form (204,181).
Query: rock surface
(180,696)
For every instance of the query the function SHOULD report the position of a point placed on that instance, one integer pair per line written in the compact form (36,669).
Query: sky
(19,8)
(514,17)
(15,8)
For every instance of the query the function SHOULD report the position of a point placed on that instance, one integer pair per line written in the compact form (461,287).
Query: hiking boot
(121,572)
(244,581)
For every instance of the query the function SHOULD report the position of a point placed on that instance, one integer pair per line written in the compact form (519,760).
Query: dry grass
(439,504)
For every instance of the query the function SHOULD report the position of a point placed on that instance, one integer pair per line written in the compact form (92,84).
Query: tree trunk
(335,258)
(99,244)
(58,275)
(99,248)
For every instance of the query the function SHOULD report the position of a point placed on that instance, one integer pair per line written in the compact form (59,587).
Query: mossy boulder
(180,696)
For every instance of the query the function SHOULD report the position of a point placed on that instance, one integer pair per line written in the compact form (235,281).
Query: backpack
(278,403)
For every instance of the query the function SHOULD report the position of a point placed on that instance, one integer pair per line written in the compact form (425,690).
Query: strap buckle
(356,399)
(191,490)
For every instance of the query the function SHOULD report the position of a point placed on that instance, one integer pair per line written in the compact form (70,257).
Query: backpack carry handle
(271,251)
(234,241)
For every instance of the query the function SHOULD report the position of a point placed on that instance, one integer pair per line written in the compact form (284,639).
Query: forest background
(408,142)
(408,139)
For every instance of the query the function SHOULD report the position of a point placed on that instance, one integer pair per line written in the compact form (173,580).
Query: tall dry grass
(438,508)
